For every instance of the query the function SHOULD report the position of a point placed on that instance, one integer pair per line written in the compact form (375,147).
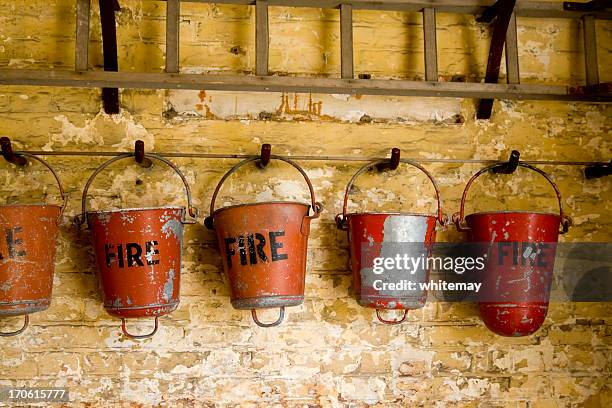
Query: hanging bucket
(138,252)
(28,241)
(263,249)
(382,235)
(518,271)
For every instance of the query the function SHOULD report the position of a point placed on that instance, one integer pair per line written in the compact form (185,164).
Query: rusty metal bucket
(263,249)
(518,271)
(138,252)
(382,235)
(28,241)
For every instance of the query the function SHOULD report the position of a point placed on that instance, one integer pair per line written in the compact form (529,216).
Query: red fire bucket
(138,252)
(386,235)
(518,271)
(28,241)
(263,248)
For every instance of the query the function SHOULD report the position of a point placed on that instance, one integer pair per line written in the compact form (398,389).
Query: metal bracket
(510,166)
(264,158)
(139,155)
(503,13)
(489,14)
(598,170)
(393,161)
(595,5)
(9,155)
(110,96)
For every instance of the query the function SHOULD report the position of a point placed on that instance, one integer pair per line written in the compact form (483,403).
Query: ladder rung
(431,52)
(512,59)
(262,37)
(346,41)
(590,50)
(82,35)
(173,8)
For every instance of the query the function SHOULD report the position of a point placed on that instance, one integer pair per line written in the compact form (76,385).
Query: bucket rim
(218,210)
(30,205)
(393,213)
(170,207)
(514,212)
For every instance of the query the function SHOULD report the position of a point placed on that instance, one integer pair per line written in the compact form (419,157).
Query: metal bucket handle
(391,322)
(281,316)
(193,211)
(138,336)
(459,217)
(341,218)
(26,320)
(316,206)
(57,179)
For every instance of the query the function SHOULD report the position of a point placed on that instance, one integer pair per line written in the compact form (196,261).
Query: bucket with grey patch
(388,250)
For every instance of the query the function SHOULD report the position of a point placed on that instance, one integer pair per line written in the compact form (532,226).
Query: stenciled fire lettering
(14,244)
(522,252)
(251,247)
(131,254)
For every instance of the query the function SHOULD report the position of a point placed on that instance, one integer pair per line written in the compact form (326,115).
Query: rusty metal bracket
(503,13)
(598,170)
(595,5)
(489,14)
(264,158)
(394,161)
(139,155)
(510,166)
(9,155)
(110,96)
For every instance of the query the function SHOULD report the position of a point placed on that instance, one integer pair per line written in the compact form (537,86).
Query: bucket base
(142,311)
(379,302)
(23,307)
(265,302)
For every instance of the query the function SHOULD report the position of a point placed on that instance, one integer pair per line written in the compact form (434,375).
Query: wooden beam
(524,8)
(81,47)
(590,50)
(500,28)
(346,40)
(173,13)
(262,38)
(110,96)
(431,49)
(512,58)
(94,79)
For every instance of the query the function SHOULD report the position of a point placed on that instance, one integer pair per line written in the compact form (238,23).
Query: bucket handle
(138,336)
(57,179)
(316,206)
(341,218)
(459,217)
(193,211)
(281,316)
(26,320)
(391,322)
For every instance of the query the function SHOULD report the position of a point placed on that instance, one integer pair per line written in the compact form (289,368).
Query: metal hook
(9,155)
(266,152)
(598,170)
(139,155)
(281,316)
(138,336)
(510,166)
(391,322)
(394,161)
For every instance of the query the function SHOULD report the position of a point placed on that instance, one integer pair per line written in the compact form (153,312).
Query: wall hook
(393,161)
(264,159)
(510,166)
(598,170)
(9,155)
(139,155)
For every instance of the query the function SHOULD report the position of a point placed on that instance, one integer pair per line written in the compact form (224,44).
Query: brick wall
(329,352)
